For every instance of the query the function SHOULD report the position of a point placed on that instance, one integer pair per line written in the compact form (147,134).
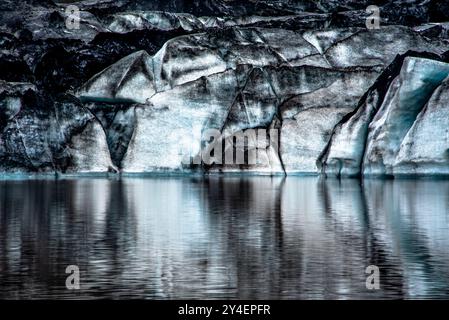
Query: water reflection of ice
(217,237)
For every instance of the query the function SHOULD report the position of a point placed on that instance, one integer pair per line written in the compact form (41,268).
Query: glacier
(376,139)
(136,89)
(405,98)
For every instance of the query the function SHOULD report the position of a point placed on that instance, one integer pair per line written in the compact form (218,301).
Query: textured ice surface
(406,97)
(379,137)
(118,122)
(170,126)
(152,81)
(138,76)
(44,135)
(160,20)
(425,148)
(347,144)
(129,79)
(258,154)
(304,138)
(240,78)
(309,118)
(373,47)
(183,59)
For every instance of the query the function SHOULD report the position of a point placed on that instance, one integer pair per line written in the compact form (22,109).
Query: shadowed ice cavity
(224,237)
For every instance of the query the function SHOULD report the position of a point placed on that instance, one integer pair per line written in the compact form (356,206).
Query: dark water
(253,237)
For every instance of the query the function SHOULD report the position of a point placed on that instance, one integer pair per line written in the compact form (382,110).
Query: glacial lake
(224,237)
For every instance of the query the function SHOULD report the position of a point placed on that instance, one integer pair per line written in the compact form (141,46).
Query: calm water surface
(217,237)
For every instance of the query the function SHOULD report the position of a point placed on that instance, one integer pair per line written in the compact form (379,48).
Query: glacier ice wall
(138,85)
(406,96)
(377,138)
